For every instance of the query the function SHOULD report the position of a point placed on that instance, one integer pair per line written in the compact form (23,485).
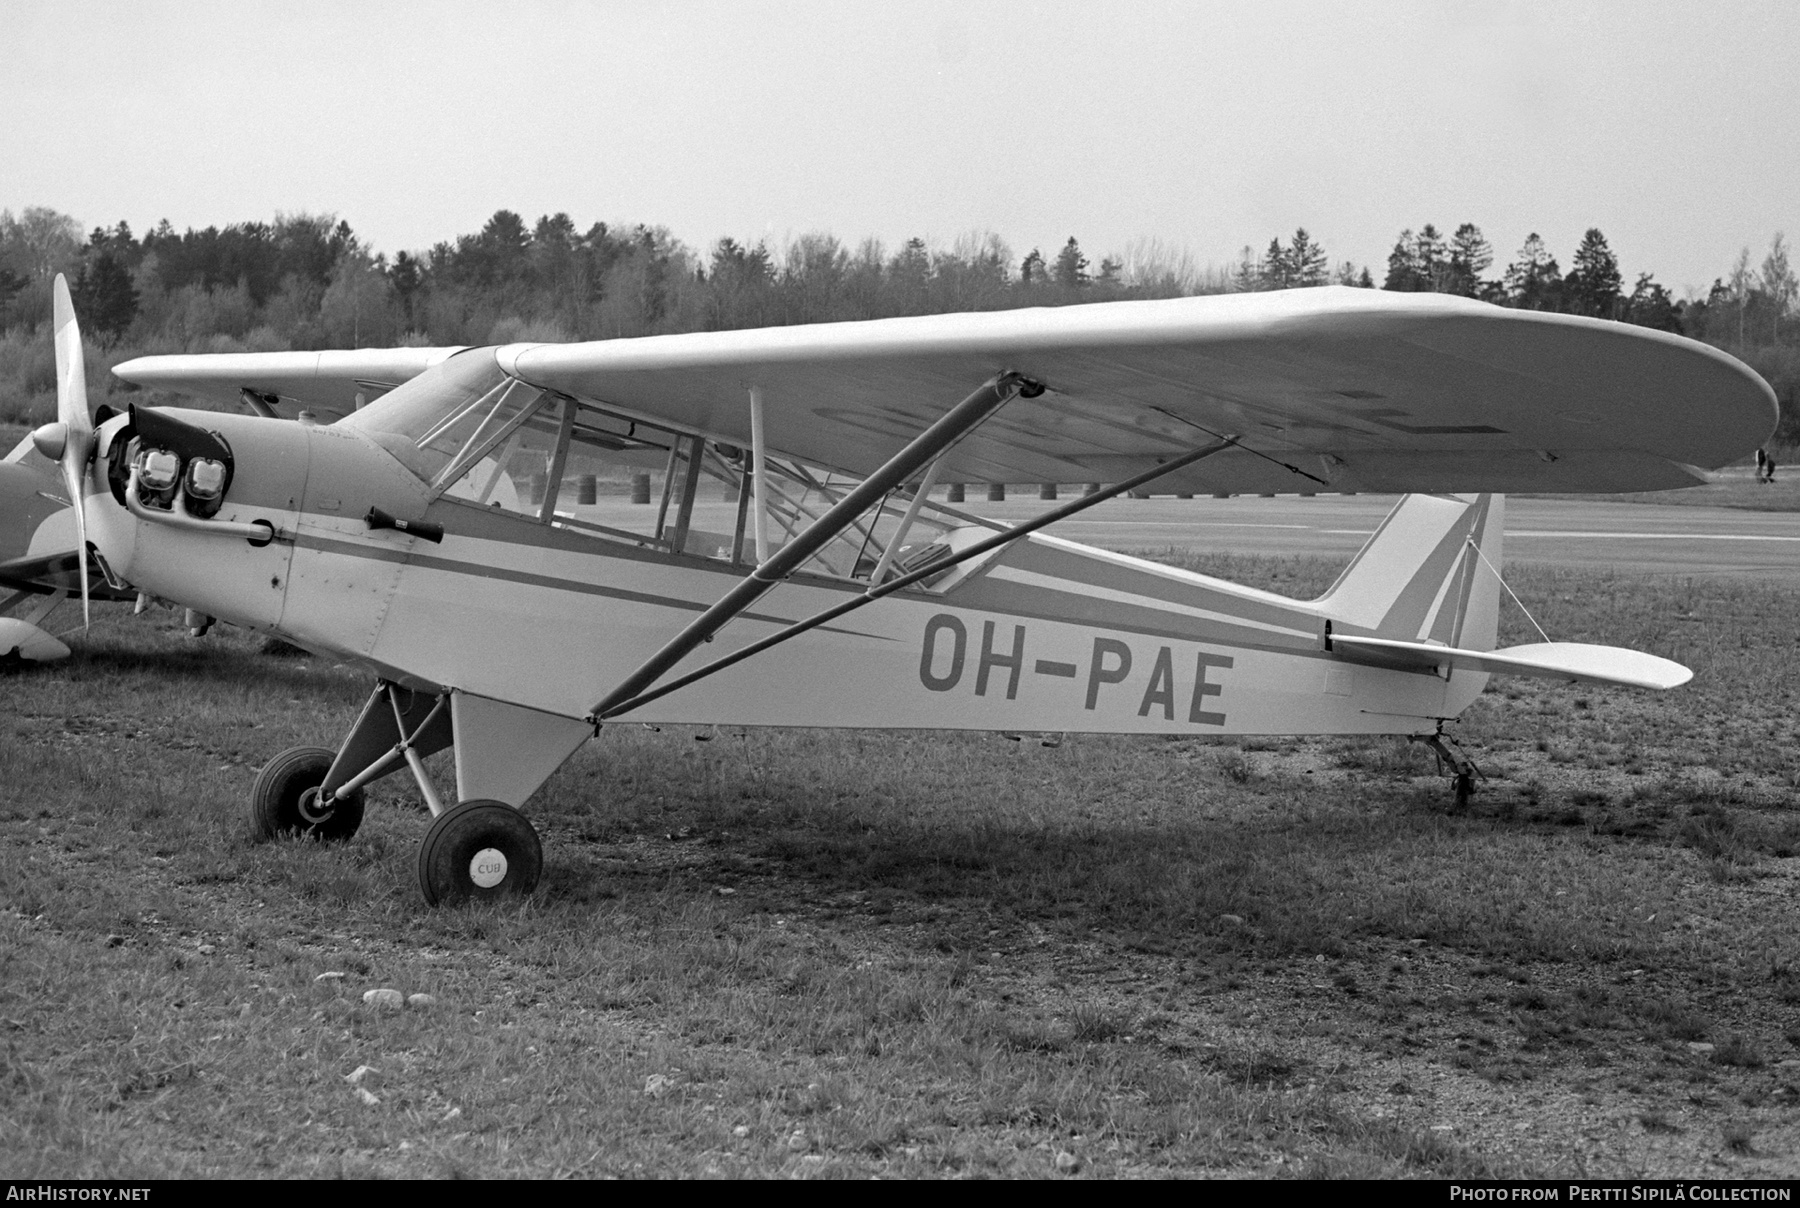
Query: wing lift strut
(636,691)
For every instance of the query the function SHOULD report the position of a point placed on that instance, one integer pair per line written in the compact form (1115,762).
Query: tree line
(309,281)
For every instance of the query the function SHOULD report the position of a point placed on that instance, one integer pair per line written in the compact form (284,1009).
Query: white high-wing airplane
(467,537)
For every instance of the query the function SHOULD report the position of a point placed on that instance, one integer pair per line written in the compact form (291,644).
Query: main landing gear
(479,850)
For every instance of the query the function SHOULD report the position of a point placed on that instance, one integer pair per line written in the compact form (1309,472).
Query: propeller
(70,440)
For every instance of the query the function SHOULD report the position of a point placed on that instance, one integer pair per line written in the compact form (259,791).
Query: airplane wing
(328,384)
(1332,388)
(55,572)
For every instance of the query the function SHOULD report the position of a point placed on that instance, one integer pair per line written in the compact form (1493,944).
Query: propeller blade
(76,420)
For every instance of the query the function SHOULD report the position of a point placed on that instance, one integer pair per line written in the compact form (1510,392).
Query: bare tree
(1742,279)
(1779,284)
(1155,269)
(1246,274)
(40,241)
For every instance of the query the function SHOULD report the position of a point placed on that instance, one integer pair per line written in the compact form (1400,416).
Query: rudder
(1429,574)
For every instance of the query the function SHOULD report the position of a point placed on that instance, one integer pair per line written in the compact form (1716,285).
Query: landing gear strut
(1453,763)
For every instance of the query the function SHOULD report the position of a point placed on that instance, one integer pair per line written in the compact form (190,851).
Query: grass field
(850,953)
(1732,487)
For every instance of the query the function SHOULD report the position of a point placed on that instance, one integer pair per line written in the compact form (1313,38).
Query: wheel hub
(312,811)
(488,867)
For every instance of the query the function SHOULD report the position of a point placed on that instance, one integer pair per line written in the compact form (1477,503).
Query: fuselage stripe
(554,583)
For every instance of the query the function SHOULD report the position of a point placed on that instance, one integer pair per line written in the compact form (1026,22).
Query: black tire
(479,851)
(285,800)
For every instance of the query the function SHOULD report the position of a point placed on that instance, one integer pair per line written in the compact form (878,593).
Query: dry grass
(794,952)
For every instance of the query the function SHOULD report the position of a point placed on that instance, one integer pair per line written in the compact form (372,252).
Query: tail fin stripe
(1413,605)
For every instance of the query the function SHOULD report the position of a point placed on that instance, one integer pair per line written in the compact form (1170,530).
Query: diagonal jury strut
(951,427)
(876,592)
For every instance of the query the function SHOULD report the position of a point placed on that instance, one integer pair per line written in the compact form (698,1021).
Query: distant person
(1762,466)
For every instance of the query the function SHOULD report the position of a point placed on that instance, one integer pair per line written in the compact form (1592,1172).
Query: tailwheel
(479,851)
(1452,762)
(285,799)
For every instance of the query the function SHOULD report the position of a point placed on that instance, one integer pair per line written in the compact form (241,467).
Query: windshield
(437,421)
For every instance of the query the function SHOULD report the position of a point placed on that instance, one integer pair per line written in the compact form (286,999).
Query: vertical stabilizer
(1429,574)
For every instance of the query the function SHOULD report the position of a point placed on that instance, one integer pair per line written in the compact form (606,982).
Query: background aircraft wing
(325,383)
(55,572)
(1330,389)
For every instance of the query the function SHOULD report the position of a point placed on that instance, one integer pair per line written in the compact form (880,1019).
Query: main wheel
(479,851)
(285,800)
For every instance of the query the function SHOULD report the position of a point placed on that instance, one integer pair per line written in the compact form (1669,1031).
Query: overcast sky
(1674,127)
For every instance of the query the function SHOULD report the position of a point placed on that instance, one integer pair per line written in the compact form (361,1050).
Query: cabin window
(488,440)
(616,476)
(799,495)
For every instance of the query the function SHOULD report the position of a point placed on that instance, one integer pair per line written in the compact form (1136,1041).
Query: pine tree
(909,272)
(1650,305)
(1033,270)
(1592,286)
(407,275)
(104,297)
(1470,256)
(1071,266)
(1429,254)
(1534,281)
(1404,272)
(1306,260)
(1277,267)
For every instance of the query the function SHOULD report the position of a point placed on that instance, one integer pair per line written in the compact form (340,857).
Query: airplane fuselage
(1046,635)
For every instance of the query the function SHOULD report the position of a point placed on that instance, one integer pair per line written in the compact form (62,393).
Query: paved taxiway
(1632,537)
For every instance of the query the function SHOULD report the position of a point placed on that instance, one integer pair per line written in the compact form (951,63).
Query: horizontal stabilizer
(21,640)
(1573,661)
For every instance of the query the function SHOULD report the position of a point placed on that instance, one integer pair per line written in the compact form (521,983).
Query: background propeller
(70,440)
